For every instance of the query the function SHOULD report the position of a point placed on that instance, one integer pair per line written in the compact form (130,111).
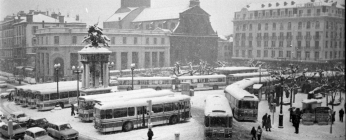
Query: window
(113,40)
(265,53)
(74,39)
(168,107)
(308,25)
(117,113)
(250,27)
(265,43)
(243,53)
(34,29)
(249,53)
(331,55)
(250,43)
(317,55)
(124,40)
(281,26)
(237,53)
(147,40)
(326,44)
(281,54)
(317,26)
(56,39)
(157,108)
(289,26)
(258,43)
(299,44)
(307,54)
(273,53)
(244,27)
(109,114)
(273,43)
(317,44)
(155,40)
(162,40)
(131,111)
(274,26)
(259,26)
(326,55)
(258,53)
(135,40)
(288,55)
(308,44)
(281,43)
(266,26)
(326,34)
(298,54)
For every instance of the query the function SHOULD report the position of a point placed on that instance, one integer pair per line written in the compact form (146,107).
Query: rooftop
(151,14)
(117,16)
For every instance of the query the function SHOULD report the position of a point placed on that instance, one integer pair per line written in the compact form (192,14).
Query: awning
(19,67)
(257,86)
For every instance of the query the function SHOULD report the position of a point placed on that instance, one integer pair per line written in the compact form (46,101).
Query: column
(118,64)
(83,76)
(151,59)
(87,76)
(129,58)
(105,75)
(141,57)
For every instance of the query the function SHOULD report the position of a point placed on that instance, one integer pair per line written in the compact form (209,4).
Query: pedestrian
(72,110)
(264,119)
(296,122)
(333,117)
(341,115)
(268,123)
(150,134)
(259,133)
(253,133)
(9,97)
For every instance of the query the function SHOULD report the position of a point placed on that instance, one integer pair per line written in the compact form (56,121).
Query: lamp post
(57,67)
(281,115)
(132,68)
(77,71)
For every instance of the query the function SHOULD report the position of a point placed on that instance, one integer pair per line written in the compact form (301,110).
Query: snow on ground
(194,130)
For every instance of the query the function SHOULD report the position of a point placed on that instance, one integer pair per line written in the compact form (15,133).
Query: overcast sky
(221,11)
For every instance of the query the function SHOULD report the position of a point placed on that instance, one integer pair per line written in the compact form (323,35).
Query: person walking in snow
(268,123)
(259,133)
(72,110)
(333,117)
(296,122)
(341,115)
(253,133)
(264,119)
(150,134)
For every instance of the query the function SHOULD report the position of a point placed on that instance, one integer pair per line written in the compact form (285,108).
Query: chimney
(29,18)
(61,19)
(77,17)
(54,15)
(194,3)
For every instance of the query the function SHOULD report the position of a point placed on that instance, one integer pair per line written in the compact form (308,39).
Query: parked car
(18,131)
(19,117)
(6,93)
(62,131)
(36,133)
(37,122)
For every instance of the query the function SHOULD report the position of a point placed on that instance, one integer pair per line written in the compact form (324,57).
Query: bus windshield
(86,105)
(248,104)
(217,121)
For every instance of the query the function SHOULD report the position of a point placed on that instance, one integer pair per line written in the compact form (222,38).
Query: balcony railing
(317,37)
(299,37)
(273,37)
(307,37)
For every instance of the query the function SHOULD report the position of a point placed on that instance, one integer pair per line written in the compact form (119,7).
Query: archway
(61,70)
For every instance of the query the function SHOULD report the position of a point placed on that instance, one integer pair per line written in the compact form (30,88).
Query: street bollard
(176,134)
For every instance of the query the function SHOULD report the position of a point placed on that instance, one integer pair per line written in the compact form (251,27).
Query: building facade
(147,49)
(192,36)
(225,49)
(305,31)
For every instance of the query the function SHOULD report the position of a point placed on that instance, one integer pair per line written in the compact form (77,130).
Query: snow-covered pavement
(193,129)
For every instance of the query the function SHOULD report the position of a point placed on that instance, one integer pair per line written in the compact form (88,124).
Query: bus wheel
(173,120)
(127,126)
(158,88)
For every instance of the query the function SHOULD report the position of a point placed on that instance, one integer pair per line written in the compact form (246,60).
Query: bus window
(109,114)
(248,105)
(140,110)
(168,107)
(63,95)
(187,104)
(131,111)
(176,106)
(218,121)
(72,94)
(157,108)
(46,97)
(54,96)
(181,105)
(120,112)
(103,114)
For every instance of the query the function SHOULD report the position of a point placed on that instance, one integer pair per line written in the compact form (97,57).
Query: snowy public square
(193,129)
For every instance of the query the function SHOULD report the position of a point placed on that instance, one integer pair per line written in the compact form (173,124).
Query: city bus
(218,118)
(233,70)
(49,98)
(129,114)
(244,105)
(203,81)
(156,83)
(87,103)
(231,78)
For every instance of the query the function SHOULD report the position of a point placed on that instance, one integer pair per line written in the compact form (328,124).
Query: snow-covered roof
(239,93)
(116,16)
(94,50)
(150,14)
(217,105)
(289,4)
(115,94)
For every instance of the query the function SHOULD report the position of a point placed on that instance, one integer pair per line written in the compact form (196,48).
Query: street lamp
(77,71)
(281,115)
(132,68)
(57,67)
